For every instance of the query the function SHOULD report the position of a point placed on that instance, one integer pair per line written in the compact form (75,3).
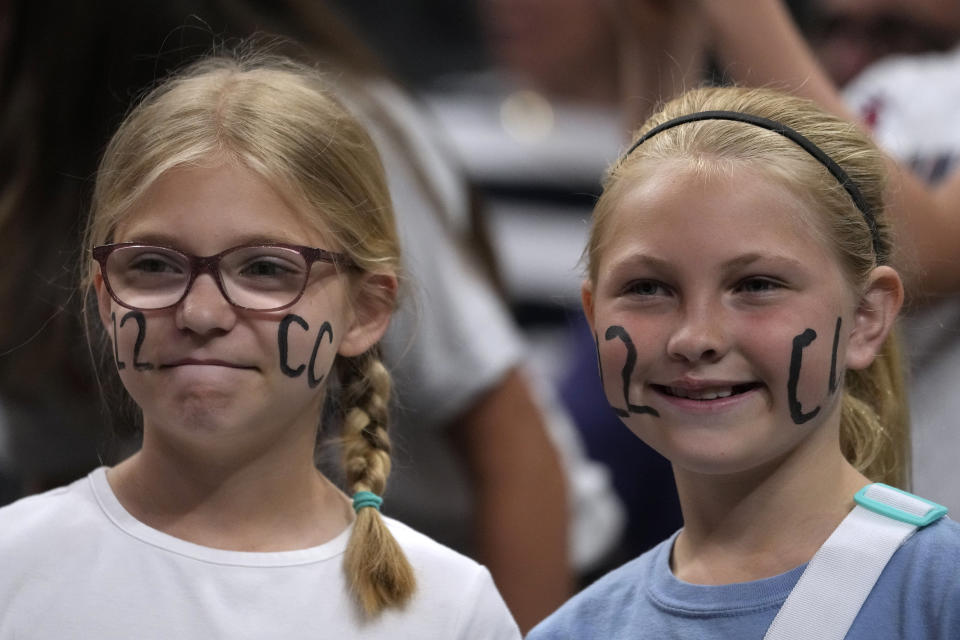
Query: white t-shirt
(75,564)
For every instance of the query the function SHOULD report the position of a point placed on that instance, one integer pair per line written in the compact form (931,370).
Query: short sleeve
(486,616)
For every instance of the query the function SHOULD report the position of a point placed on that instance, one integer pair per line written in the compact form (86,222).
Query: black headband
(777,127)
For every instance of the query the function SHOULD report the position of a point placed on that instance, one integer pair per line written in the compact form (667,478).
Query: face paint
(596,342)
(141,335)
(833,356)
(616,331)
(283,331)
(800,342)
(325,329)
(116,343)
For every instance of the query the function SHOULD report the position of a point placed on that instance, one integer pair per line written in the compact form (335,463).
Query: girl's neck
(273,501)
(763,522)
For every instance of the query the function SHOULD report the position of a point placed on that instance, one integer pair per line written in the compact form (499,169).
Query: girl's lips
(204,362)
(709,398)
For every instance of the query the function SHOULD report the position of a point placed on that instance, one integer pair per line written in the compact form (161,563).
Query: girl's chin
(713,450)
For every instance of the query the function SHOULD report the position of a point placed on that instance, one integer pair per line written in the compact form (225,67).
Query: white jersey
(76,564)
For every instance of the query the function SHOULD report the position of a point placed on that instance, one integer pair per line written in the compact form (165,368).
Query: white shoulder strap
(840,576)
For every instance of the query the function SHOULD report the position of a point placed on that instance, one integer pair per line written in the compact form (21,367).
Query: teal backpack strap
(840,576)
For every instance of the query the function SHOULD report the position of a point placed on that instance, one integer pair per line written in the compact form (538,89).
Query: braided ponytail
(379,574)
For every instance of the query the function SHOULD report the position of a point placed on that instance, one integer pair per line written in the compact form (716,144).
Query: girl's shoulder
(930,552)
(29,519)
(451,583)
(36,530)
(427,554)
(938,540)
(918,593)
(611,604)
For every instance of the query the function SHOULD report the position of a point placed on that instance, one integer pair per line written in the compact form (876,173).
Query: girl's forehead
(745,209)
(222,204)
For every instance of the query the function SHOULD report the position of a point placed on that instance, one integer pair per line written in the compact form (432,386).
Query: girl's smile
(714,308)
(705,395)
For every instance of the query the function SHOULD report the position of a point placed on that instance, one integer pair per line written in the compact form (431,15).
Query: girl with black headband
(744,311)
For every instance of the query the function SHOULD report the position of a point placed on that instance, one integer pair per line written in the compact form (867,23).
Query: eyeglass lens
(253,277)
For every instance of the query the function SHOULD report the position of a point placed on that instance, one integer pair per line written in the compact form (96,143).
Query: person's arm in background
(759,45)
(663,52)
(520,505)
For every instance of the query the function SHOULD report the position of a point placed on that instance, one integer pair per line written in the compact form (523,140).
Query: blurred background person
(849,35)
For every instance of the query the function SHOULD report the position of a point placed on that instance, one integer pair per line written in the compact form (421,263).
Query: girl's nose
(204,309)
(699,335)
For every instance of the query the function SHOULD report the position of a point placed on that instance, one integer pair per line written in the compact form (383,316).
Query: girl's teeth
(712,394)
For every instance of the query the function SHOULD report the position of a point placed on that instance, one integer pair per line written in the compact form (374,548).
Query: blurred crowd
(495,148)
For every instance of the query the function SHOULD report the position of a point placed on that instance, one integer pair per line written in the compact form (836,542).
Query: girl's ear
(874,317)
(373,304)
(586,298)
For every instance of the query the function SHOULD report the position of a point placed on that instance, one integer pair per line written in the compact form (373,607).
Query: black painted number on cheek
(325,330)
(141,335)
(596,341)
(116,343)
(833,357)
(283,331)
(282,341)
(801,342)
(616,331)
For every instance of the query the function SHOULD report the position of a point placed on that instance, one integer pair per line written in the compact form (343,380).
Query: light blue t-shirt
(917,597)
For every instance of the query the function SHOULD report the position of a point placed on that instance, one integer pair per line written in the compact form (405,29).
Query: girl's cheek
(618,358)
(813,372)
(306,348)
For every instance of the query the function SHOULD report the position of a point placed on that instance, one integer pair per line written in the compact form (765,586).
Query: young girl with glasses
(743,305)
(243,262)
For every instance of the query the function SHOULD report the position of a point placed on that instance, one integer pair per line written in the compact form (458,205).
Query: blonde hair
(874,427)
(279,119)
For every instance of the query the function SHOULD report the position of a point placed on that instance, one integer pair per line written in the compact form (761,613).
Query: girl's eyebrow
(642,259)
(749,259)
(168,240)
(740,262)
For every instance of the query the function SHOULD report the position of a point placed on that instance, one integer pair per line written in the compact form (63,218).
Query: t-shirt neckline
(127,523)
(669,592)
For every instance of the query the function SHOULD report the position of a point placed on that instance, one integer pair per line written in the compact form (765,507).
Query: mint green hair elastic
(363,499)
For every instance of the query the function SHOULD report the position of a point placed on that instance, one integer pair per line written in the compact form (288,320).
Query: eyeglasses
(258,277)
